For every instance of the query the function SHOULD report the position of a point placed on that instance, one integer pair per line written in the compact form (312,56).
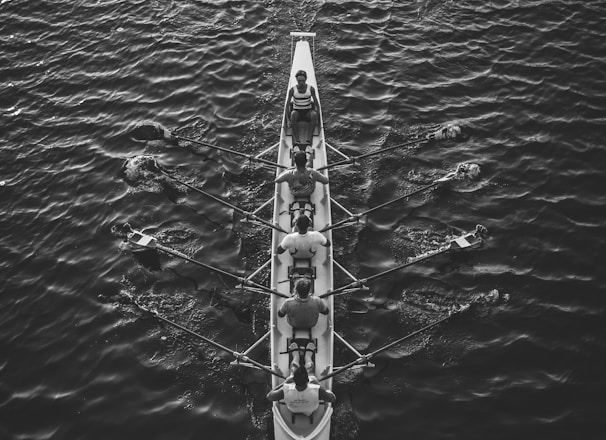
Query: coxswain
(302,102)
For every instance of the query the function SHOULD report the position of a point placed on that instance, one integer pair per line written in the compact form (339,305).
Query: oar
(367,357)
(354,159)
(444,132)
(138,238)
(466,240)
(240,356)
(356,217)
(249,215)
(250,157)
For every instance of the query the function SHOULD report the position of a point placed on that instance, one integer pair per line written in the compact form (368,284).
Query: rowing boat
(285,269)
(285,425)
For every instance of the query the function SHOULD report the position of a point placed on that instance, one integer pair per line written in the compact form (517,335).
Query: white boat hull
(303,427)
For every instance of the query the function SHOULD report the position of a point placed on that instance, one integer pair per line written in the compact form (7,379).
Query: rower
(302,102)
(301,179)
(302,310)
(303,243)
(302,391)
(302,183)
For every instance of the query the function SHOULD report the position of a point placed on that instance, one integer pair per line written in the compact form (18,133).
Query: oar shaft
(248,214)
(215,147)
(366,358)
(140,239)
(227,150)
(353,159)
(411,335)
(199,263)
(337,163)
(209,341)
(339,290)
(362,282)
(353,217)
(385,150)
(405,196)
(410,263)
(204,193)
(191,332)
(339,223)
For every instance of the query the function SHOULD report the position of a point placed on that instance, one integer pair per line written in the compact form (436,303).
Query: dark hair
(301,73)
(301,159)
(303,286)
(303,222)
(300,376)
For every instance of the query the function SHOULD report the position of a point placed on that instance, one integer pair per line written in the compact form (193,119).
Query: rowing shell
(320,267)
(317,426)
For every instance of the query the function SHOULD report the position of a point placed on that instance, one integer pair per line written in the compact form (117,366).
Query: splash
(491,297)
(142,172)
(138,169)
(152,131)
(468,171)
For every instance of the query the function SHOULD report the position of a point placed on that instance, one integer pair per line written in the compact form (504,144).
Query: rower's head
(300,377)
(301,159)
(303,223)
(301,76)
(302,287)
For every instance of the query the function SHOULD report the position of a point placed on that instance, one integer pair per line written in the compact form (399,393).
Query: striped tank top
(302,101)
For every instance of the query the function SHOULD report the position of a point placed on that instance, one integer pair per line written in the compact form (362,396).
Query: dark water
(79,361)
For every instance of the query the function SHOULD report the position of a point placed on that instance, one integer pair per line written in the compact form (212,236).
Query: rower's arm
(320,177)
(282,311)
(282,177)
(275,395)
(314,102)
(289,104)
(327,395)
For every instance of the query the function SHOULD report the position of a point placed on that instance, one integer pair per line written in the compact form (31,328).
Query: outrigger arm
(469,239)
(138,238)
